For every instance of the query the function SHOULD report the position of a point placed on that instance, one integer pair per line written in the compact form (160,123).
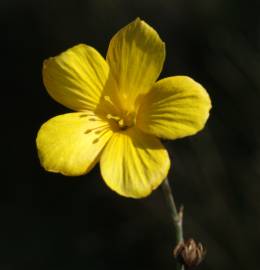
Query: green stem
(175,215)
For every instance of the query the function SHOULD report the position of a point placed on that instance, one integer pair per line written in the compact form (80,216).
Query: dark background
(48,221)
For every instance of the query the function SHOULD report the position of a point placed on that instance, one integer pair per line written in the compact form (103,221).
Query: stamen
(111,103)
(108,99)
(110,116)
(96,129)
(121,123)
(95,120)
(87,114)
(104,131)
(92,119)
(101,130)
(96,140)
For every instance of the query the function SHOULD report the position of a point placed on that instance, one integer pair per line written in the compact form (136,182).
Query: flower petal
(135,55)
(71,143)
(175,107)
(133,163)
(76,77)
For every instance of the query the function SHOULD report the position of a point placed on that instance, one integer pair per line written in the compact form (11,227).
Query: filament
(96,129)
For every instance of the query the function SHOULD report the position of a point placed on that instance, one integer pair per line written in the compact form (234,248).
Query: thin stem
(175,215)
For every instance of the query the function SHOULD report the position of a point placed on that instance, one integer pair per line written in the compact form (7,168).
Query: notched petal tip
(53,58)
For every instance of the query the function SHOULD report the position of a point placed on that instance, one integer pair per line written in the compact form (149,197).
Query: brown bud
(189,253)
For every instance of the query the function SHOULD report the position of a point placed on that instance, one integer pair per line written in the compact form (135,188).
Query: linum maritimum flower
(121,111)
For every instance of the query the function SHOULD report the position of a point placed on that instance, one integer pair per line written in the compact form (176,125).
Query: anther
(96,140)
(99,131)
(109,116)
(121,123)
(92,119)
(86,115)
(108,99)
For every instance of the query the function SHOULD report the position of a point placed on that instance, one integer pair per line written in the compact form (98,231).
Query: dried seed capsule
(189,253)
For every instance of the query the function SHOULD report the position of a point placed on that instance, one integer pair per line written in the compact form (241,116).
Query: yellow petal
(133,163)
(135,56)
(76,77)
(175,107)
(71,143)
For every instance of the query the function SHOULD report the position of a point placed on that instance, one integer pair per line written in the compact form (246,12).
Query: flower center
(121,119)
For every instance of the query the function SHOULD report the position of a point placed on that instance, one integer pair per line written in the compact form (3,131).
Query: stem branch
(175,215)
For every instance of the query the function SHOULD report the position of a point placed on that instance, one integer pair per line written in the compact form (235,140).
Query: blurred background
(49,221)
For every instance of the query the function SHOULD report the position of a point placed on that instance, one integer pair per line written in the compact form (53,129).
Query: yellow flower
(121,111)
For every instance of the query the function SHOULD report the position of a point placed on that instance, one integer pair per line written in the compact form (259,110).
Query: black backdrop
(48,221)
